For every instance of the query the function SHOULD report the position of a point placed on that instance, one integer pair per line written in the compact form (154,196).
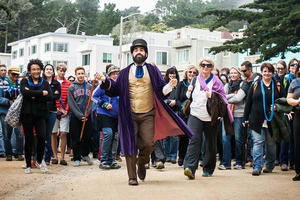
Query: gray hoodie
(77,100)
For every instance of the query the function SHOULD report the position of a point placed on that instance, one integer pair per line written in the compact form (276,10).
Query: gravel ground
(90,182)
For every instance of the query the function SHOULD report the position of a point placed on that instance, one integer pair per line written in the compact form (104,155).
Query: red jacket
(64,94)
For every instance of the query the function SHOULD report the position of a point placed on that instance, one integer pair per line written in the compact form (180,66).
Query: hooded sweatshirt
(78,96)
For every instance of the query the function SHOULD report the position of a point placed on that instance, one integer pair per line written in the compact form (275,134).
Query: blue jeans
(107,143)
(238,135)
(259,140)
(7,132)
(171,147)
(2,149)
(49,127)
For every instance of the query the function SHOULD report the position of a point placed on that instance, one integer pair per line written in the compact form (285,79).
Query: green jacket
(280,129)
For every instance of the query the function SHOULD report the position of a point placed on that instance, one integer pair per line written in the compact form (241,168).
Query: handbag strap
(193,84)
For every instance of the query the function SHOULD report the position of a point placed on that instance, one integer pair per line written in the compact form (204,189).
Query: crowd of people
(232,114)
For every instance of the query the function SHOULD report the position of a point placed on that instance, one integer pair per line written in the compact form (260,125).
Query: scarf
(217,88)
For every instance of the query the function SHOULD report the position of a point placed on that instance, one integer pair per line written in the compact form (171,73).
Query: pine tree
(274,28)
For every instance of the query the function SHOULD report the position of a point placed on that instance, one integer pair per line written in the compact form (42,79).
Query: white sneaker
(238,167)
(28,170)
(88,160)
(76,163)
(43,167)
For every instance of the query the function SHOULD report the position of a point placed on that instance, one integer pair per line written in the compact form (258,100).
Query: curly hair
(35,62)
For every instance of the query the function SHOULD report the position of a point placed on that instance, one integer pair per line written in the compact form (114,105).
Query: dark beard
(139,60)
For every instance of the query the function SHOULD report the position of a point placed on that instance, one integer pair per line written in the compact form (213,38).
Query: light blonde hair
(236,69)
(207,60)
(61,66)
(188,69)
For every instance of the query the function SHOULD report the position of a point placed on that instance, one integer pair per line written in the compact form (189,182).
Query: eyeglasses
(206,65)
(280,69)
(293,65)
(244,70)
(192,72)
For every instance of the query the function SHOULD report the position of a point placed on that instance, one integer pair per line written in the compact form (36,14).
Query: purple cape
(166,123)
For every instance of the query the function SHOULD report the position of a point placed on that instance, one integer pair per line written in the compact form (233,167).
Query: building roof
(226,35)
(99,37)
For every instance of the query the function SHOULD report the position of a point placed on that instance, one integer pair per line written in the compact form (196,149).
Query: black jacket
(56,91)
(254,110)
(36,107)
(181,95)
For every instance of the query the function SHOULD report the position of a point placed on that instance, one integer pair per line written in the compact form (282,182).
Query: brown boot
(132,181)
(141,171)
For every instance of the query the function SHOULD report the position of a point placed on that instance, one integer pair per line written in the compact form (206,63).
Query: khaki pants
(144,132)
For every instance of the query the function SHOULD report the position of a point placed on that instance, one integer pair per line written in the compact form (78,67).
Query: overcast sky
(145,5)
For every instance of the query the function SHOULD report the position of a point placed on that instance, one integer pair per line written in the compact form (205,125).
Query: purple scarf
(217,88)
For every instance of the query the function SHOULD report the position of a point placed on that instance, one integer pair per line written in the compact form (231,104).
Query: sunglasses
(206,65)
(244,70)
(280,69)
(191,72)
(293,65)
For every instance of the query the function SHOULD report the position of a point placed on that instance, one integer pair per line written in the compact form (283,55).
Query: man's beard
(140,59)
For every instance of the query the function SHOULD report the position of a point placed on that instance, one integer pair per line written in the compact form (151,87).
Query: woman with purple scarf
(201,121)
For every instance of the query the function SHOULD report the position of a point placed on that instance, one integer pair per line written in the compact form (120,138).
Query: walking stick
(87,108)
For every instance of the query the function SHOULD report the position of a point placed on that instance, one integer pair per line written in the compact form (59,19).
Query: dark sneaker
(267,170)
(180,162)
(20,158)
(189,173)
(256,173)
(9,158)
(115,166)
(54,161)
(173,160)
(141,171)
(297,177)
(206,174)
(284,167)
(168,160)
(104,166)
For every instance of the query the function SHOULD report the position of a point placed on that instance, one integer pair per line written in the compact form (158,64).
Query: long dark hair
(171,70)
(44,69)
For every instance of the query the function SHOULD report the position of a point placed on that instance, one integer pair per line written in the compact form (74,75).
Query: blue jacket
(103,100)
(6,93)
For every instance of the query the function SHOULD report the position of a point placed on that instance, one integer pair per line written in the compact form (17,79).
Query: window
(55,63)
(86,59)
(21,52)
(169,43)
(14,54)
(60,47)
(161,58)
(183,56)
(107,57)
(226,53)
(47,47)
(21,68)
(33,49)
(208,55)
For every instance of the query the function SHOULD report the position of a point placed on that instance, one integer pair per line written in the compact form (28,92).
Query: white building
(92,52)
(5,59)
(181,48)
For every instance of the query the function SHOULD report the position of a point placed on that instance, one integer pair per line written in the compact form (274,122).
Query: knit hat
(112,69)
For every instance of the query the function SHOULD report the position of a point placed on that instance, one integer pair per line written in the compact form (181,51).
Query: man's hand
(190,88)
(45,92)
(100,77)
(173,82)
(108,107)
(10,102)
(172,103)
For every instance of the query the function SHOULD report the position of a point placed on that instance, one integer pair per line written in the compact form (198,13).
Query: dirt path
(90,182)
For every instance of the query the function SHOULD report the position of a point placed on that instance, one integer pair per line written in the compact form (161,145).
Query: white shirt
(166,89)
(198,105)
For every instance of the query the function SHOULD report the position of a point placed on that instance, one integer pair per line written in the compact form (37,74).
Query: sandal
(54,161)
(63,162)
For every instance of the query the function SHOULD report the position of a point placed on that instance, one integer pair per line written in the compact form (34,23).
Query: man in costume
(143,116)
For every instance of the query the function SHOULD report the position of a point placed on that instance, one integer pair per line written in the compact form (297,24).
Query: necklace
(264,101)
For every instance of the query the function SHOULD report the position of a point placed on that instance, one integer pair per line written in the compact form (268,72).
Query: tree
(149,20)
(108,18)
(274,28)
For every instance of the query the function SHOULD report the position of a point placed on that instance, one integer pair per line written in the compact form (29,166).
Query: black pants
(40,130)
(194,148)
(80,148)
(297,141)
(183,142)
